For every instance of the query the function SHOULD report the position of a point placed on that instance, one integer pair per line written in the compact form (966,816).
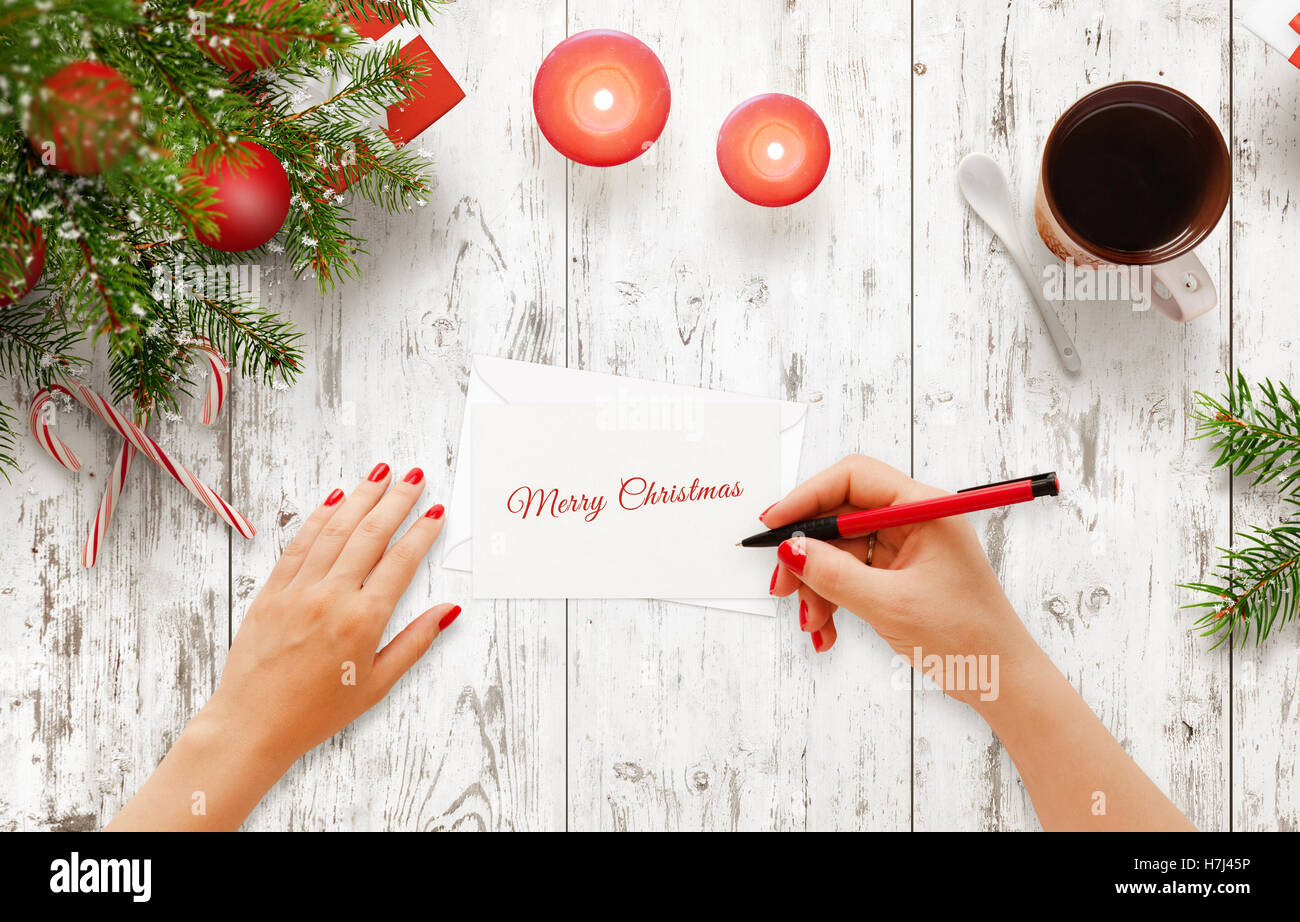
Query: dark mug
(1136,174)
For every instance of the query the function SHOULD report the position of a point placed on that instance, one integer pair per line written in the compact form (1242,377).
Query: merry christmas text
(633,493)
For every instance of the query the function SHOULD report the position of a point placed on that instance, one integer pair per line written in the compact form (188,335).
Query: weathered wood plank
(1094,573)
(101,668)
(474,737)
(681,717)
(1266,151)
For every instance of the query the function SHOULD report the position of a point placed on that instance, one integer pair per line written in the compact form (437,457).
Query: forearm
(210,780)
(1076,773)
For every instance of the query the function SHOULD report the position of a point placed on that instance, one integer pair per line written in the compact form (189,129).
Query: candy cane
(218,381)
(136,441)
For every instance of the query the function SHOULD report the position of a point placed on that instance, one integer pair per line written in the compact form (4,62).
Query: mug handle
(1191,293)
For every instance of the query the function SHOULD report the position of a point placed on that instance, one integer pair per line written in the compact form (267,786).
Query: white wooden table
(881,301)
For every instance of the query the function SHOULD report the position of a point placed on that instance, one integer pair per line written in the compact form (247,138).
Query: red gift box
(1277,22)
(435,91)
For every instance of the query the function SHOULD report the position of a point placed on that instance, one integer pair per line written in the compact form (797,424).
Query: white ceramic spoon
(986,189)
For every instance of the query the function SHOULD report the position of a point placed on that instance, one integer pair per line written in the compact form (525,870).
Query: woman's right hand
(930,588)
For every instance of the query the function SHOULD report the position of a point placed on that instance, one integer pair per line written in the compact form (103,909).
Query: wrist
(1026,679)
(240,745)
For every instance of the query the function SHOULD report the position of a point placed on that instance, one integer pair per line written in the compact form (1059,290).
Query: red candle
(773,149)
(601,97)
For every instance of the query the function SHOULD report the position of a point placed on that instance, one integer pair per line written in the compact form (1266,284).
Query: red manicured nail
(379,473)
(414,475)
(766,511)
(448,618)
(333,497)
(435,511)
(803,615)
(775,573)
(817,641)
(792,556)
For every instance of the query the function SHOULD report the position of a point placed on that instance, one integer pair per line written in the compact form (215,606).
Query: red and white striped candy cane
(218,381)
(136,441)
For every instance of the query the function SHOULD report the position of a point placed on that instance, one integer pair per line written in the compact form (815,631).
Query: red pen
(857,524)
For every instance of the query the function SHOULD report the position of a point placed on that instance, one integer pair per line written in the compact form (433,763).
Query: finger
(837,576)
(371,536)
(824,638)
(290,562)
(397,567)
(814,611)
(785,582)
(856,481)
(325,550)
(411,643)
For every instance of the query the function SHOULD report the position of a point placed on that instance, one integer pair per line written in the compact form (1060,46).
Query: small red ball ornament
(249,52)
(252,198)
(601,97)
(23,246)
(84,119)
(773,150)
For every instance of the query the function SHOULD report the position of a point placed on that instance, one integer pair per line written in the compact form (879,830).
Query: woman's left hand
(304,663)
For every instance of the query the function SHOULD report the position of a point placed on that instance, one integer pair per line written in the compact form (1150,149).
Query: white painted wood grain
(686,718)
(100,669)
(1094,573)
(614,715)
(474,737)
(1266,337)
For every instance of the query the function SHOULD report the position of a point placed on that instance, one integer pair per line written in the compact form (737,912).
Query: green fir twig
(1255,587)
(114,241)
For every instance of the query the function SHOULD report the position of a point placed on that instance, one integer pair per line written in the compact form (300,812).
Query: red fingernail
(792,556)
(333,497)
(379,473)
(817,641)
(772,588)
(766,511)
(803,615)
(414,475)
(435,511)
(448,618)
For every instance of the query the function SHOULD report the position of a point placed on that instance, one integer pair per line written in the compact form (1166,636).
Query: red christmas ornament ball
(84,119)
(23,245)
(252,198)
(241,54)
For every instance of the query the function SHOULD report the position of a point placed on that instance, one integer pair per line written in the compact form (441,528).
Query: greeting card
(672,426)
(598,500)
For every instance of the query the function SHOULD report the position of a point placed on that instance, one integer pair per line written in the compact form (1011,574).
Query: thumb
(411,643)
(836,575)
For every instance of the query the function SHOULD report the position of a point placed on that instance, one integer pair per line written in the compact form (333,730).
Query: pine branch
(121,246)
(34,345)
(8,441)
(1257,585)
(1260,439)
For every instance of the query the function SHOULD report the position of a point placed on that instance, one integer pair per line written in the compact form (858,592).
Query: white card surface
(622,499)
(494,381)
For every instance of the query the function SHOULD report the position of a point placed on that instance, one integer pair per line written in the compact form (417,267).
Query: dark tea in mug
(1136,173)
(1128,177)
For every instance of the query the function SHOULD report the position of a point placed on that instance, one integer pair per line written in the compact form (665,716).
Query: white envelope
(494,380)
